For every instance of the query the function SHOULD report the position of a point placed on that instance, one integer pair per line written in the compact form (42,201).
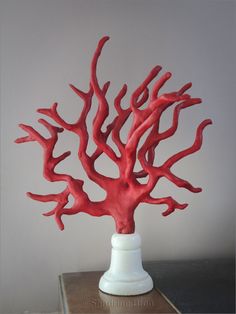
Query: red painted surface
(125,193)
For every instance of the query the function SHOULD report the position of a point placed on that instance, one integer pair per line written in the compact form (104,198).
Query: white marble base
(126,275)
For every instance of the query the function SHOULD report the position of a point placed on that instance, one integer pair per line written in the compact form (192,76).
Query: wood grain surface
(79,293)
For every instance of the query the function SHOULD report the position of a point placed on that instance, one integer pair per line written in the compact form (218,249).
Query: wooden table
(79,293)
(199,286)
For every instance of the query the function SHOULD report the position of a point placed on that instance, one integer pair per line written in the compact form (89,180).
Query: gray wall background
(49,43)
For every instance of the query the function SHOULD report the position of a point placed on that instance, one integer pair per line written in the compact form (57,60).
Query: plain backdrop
(47,44)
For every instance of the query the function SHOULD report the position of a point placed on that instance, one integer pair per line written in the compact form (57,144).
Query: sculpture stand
(126,275)
(124,193)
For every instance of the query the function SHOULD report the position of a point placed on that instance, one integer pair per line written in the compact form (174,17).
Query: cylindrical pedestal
(126,275)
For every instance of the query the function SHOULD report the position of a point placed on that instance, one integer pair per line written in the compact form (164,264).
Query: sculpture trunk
(124,220)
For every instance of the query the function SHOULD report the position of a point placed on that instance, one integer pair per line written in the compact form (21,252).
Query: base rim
(125,288)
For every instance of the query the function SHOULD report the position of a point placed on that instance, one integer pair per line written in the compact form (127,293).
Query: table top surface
(202,286)
(80,294)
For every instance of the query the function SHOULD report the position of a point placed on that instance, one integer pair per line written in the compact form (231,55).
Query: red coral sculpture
(125,193)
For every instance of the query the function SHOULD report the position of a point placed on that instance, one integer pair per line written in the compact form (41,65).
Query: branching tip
(28,194)
(103,40)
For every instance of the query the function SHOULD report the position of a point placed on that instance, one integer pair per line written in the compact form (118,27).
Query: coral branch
(61,199)
(45,198)
(154,137)
(122,117)
(180,182)
(33,135)
(169,201)
(136,102)
(195,147)
(143,88)
(80,129)
(103,107)
(159,85)
(153,117)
